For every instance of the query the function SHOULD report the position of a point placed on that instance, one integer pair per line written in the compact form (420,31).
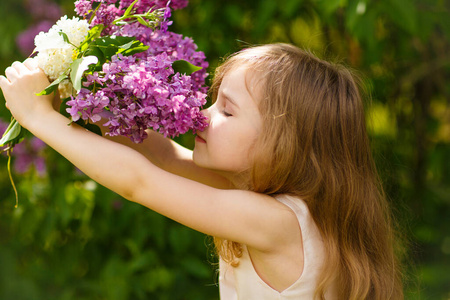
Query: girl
(283,176)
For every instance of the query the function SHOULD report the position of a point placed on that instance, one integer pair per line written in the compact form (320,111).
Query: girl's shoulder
(297,205)
(309,230)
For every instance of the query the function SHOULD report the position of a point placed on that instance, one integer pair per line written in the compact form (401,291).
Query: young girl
(283,176)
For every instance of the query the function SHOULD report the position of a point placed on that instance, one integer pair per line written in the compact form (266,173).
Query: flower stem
(11,178)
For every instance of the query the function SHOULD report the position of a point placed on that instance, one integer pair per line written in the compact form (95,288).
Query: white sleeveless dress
(243,283)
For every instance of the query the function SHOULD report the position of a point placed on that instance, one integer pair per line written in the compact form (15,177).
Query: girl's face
(234,125)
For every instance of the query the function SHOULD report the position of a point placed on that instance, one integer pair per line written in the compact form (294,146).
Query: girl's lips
(199,139)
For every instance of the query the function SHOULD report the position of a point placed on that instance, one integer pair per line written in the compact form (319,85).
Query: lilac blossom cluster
(159,40)
(140,94)
(143,5)
(142,91)
(27,154)
(174,45)
(106,11)
(85,7)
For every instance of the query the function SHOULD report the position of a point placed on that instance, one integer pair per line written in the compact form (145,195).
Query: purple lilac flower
(27,154)
(159,40)
(105,13)
(142,93)
(174,45)
(144,5)
(108,10)
(83,8)
(165,22)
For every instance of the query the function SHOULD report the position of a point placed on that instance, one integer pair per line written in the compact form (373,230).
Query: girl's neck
(237,180)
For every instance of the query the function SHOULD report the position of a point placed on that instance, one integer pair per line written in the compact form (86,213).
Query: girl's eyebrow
(229,99)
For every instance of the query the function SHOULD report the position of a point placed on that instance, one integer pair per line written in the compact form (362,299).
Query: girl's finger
(20,67)
(11,73)
(31,63)
(3,81)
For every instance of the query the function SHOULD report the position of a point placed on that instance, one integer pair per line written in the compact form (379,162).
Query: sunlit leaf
(11,134)
(112,45)
(79,66)
(127,45)
(142,21)
(184,67)
(128,10)
(65,37)
(93,128)
(93,33)
(53,86)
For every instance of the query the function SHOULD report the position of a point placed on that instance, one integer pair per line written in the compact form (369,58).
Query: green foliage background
(72,239)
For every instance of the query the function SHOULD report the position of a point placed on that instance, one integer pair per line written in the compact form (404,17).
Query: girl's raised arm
(217,212)
(174,158)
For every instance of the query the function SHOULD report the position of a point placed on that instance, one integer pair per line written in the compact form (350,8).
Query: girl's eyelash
(227,114)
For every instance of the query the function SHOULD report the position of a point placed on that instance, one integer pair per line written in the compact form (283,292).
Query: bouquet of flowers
(118,62)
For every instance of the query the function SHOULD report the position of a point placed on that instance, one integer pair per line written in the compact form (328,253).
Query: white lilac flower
(49,40)
(55,54)
(65,89)
(75,29)
(54,62)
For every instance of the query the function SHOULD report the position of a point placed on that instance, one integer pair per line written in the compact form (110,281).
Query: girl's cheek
(214,119)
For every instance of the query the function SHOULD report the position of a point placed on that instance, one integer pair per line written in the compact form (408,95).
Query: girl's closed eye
(226,114)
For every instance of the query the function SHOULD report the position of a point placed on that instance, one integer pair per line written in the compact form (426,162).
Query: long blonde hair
(315,146)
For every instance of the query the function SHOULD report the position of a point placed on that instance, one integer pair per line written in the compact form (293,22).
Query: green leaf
(93,33)
(113,45)
(128,11)
(127,45)
(63,107)
(78,67)
(135,48)
(120,23)
(53,86)
(93,128)
(88,126)
(12,133)
(142,21)
(184,67)
(65,37)
(95,51)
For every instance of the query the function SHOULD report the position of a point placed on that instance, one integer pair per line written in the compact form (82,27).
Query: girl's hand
(20,86)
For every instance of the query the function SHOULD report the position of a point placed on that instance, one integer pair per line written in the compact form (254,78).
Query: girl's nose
(206,112)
